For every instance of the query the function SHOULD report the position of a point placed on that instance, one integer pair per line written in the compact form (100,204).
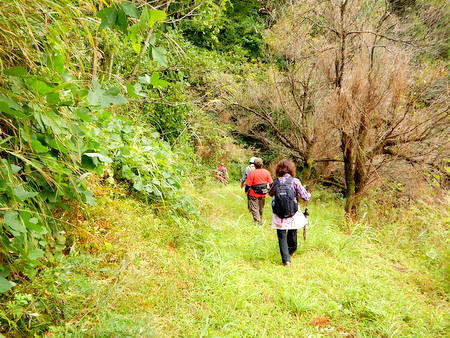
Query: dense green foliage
(98,100)
(59,132)
(56,133)
(236,28)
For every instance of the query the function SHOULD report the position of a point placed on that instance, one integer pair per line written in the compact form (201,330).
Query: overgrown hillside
(85,91)
(114,115)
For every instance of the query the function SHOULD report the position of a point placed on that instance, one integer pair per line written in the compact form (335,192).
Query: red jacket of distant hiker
(255,177)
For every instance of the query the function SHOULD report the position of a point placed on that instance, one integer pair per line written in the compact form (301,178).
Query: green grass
(162,275)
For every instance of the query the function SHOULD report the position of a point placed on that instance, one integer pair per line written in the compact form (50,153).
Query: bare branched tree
(280,113)
(348,91)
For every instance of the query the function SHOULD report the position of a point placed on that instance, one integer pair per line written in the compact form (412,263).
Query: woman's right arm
(272,188)
(302,192)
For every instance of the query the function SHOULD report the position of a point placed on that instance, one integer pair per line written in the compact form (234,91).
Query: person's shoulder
(264,171)
(296,181)
(251,173)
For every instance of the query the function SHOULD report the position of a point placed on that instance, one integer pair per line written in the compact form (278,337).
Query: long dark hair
(285,167)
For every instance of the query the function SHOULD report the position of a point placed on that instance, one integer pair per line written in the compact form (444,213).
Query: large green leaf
(138,90)
(88,198)
(4,271)
(134,37)
(113,91)
(35,254)
(32,224)
(126,172)
(37,229)
(121,21)
(144,19)
(138,185)
(130,9)
(38,86)
(131,91)
(135,90)
(15,168)
(114,100)
(38,146)
(53,99)
(159,55)
(156,15)
(5,284)
(9,102)
(156,82)
(84,114)
(99,97)
(10,107)
(55,62)
(144,79)
(108,16)
(11,219)
(149,17)
(17,71)
(21,194)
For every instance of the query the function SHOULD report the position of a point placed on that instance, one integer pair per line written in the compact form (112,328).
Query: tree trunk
(349,174)
(351,207)
(308,166)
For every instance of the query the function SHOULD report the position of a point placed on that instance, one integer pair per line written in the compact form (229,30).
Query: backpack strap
(273,187)
(289,180)
(277,182)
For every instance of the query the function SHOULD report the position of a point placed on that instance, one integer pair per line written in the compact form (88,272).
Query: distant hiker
(287,218)
(222,173)
(257,186)
(245,173)
(249,168)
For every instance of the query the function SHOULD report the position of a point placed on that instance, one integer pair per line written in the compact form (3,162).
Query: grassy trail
(165,276)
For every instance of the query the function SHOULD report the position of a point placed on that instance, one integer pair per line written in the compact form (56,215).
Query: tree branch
(408,42)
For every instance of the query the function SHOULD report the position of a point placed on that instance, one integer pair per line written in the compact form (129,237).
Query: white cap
(252,159)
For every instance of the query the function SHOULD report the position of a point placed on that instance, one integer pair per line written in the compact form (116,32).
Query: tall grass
(28,27)
(170,276)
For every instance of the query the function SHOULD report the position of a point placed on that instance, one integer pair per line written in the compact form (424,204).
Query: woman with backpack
(287,218)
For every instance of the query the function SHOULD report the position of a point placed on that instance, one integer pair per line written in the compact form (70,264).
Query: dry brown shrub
(349,92)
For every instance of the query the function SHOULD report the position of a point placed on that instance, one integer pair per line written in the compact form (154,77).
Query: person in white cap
(248,169)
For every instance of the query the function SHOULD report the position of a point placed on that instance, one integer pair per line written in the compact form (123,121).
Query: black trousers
(287,240)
